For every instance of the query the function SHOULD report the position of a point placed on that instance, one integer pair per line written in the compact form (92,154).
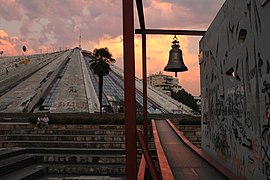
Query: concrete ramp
(183,161)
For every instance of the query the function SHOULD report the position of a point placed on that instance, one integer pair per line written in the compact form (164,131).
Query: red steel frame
(129,88)
(129,79)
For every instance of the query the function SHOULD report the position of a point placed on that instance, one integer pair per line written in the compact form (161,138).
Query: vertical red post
(145,123)
(129,88)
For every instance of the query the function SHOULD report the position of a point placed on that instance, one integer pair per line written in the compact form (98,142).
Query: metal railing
(150,164)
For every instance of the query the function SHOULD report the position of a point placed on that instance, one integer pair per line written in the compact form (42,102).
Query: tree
(186,98)
(100,67)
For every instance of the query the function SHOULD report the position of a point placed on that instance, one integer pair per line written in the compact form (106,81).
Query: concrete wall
(235,88)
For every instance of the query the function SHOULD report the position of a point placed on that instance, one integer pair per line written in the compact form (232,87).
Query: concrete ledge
(165,169)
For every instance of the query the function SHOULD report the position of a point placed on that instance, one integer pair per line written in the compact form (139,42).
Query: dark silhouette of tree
(186,98)
(100,59)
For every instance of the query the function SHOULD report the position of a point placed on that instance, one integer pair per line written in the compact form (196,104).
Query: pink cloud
(8,45)
(54,24)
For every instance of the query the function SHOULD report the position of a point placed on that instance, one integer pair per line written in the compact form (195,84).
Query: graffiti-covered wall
(235,88)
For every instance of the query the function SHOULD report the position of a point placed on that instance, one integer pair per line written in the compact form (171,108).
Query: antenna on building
(80,39)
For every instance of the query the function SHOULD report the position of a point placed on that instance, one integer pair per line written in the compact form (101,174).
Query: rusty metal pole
(145,123)
(129,88)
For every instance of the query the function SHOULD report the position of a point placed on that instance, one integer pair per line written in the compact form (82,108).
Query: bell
(175,63)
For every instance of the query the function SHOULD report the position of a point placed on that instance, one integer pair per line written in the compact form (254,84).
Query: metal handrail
(147,156)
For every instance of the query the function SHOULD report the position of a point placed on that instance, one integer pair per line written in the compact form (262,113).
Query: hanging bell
(175,63)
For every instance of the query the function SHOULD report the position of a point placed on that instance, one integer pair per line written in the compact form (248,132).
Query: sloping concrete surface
(26,94)
(71,96)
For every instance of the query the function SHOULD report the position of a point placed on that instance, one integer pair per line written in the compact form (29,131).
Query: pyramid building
(61,82)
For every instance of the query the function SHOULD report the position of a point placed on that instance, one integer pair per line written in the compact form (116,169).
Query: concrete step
(82,151)
(52,137)
(81,177)
(194,138)
(66,144)
(62,131)
(28,173)
(62,126)
(191,133)
(81,158)
(90,169)
(7,152)
(16,162)
(189,127)
(198,144)
(63,144)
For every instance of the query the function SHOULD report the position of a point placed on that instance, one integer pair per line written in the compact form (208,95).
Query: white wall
(235,87)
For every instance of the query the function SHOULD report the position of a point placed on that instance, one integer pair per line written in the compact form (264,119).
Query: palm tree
(101,58)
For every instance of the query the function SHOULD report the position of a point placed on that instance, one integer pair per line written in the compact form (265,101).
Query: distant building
(164,83)
(198,101)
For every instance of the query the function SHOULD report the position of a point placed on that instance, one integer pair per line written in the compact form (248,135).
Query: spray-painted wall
(235,88)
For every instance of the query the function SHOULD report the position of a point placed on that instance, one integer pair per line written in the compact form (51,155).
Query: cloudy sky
(47,25)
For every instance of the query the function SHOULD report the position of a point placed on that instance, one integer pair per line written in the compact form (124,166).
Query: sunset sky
(47,25)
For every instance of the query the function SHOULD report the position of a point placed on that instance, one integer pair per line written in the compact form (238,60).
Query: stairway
(62,152)
(192,133)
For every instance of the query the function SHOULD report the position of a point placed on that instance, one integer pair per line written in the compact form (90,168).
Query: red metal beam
(140,13)
(144,75)
(168,32)
(145,123)
(147,156)
(129,88)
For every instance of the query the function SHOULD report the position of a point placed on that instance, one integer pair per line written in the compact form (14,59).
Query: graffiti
(266,134)
(251,166)
(249,146)
(260,64)
(72,89)
(72,105)
(221,144)
(266,155)
(248,121)
(252,73)
(266,88)
(267,168)
(266,129)
(238,91)
(219,107)
(235,101)
(236,132)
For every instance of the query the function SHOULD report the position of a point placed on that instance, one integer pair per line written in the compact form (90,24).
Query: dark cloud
(9,10)
(183,13)
(57,22)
